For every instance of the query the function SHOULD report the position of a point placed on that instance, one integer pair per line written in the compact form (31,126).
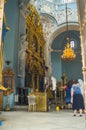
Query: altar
(41,101)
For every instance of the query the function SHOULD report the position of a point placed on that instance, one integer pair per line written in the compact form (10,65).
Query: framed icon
(8,79)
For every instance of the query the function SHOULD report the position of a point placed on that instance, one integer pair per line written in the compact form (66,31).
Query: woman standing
(67,88)
(68,94)
(78,101)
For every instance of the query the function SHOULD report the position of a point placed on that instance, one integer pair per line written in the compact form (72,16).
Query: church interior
(42,42)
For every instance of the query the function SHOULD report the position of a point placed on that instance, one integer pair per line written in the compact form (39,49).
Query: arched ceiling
(62,30)
(60,41)
(53,15)
(56,9)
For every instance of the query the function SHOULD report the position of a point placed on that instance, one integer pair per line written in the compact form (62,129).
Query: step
(20,107)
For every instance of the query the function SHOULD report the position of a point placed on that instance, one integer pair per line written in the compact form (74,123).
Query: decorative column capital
(84,69)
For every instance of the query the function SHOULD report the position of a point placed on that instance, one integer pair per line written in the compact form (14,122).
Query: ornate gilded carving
(8,79)
(6,28)
(36,42)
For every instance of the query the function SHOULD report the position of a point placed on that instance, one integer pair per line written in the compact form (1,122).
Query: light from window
(67,1)
(72,44)
(50,0)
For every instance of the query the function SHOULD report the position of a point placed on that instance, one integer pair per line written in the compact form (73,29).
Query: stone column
(1,22)
(83,48)
(82,23)
(83,62)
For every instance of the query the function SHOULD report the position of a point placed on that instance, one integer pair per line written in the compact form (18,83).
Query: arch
(60,30)
(56,33)
(50,17)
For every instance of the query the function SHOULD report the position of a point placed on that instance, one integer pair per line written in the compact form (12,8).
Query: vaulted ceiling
(53,16)
(60,41)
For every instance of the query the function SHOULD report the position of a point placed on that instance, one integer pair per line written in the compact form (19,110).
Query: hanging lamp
(68,53)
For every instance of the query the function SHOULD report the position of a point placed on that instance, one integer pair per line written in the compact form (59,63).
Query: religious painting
(8,79)
(7,82)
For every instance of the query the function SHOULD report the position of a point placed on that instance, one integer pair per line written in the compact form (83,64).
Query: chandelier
(68,53)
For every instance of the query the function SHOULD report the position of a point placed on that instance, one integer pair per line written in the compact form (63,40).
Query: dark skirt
(78,102)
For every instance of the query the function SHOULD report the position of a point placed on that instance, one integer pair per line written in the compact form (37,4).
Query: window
(73,43)
(50,0)
(67,1)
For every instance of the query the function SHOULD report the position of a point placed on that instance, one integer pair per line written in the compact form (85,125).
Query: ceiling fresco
(56,8)
(53,14)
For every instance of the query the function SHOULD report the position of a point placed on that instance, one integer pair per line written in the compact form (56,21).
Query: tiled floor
(61,120)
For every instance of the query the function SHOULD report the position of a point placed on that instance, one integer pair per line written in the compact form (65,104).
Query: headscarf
(81,85)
